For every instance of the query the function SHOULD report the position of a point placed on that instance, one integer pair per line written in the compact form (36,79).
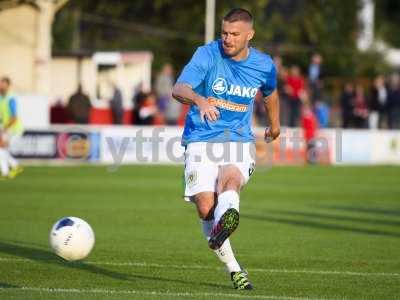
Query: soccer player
(220,83)
(10,127)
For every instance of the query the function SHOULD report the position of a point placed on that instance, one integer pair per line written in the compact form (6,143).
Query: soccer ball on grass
(72,238)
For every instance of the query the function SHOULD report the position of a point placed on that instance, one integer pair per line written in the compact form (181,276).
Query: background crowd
(373,103)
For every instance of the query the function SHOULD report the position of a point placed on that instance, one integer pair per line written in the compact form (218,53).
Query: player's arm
(184,93)
(271,104)
(194,74)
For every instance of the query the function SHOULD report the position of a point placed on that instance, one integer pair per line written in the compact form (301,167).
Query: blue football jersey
(232,85)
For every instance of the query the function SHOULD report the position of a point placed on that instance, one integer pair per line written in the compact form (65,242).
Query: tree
(387,18)
(172,29)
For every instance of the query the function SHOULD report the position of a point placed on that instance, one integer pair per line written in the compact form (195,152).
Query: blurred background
(110,66)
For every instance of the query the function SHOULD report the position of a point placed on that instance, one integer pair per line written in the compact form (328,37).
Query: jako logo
(220,87)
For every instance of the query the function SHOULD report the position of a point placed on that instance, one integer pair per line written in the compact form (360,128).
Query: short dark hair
(238,14)
(6,80)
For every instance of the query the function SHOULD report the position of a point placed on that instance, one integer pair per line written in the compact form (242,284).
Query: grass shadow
(360,209)
(318,225)
(47,257)
(338,217)
(4,285)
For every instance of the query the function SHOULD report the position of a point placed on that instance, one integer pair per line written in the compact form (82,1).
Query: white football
(72,238)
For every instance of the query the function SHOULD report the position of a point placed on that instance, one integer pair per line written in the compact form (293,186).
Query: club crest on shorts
(191,179)
(252,168)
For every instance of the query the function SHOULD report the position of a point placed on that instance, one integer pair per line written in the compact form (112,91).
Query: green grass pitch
(305,233)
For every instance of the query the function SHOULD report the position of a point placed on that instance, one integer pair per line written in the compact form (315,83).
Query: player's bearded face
(235,37)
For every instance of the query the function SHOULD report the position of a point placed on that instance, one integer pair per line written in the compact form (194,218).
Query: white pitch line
(197,267)
(149,293)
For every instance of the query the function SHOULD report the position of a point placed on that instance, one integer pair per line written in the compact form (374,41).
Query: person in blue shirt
(220,83)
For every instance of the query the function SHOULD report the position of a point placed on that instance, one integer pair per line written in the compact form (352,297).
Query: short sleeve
(12,104)
(270,82)
(196,70)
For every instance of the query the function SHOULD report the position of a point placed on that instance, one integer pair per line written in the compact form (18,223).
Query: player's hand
(271,134)
(207,111)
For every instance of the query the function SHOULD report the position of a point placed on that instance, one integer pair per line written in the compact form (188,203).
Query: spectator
(347,100)
(138,97)
(79,106)
(283,96)
(314,77)
(322,113)
(259,111)
(394,102)
(309,125)
(173,112)
(146,111)
(58,113)
(378,103)
(164,83)
(295,89)
(166,104)
(116,106)
(360,110)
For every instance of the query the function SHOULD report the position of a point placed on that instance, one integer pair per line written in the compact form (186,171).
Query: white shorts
(203,161)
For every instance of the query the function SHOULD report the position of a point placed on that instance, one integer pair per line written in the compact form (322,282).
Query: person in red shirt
(360,110)
(310,125)
(295,89)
